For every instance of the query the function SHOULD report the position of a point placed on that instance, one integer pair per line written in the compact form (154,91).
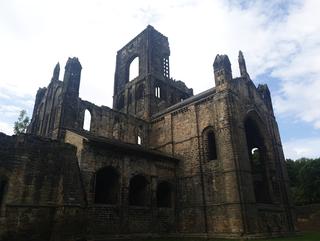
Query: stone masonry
(162,162)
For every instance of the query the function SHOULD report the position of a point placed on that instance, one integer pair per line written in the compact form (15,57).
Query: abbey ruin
(161,163)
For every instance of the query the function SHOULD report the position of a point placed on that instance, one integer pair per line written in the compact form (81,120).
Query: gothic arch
(139,193)
(133,67)
(257,148)
(87,119)
(107,186)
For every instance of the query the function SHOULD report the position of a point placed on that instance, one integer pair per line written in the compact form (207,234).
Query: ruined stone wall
(42,177)
(114,124)
(153,89)
(224,186)
(120,216)
(46,118)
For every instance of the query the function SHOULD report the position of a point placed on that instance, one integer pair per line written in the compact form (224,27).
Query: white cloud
(307,147)
(9,110)
(6,128)
(280,38)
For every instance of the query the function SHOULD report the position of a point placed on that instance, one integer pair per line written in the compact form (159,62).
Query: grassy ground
(305,236)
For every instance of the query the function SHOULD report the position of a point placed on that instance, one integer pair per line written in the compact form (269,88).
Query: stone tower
(152,90)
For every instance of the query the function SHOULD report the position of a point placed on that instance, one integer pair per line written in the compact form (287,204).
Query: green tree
(20,126)
(304,175)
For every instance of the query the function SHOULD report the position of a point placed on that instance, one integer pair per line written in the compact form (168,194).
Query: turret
(71,79)
(242,65)
(56,72)
(222,71)
(70,93)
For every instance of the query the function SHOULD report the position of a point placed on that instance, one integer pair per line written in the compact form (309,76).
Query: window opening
(157,92)
(210,146)
(87,120)
(257,158)
(107,186)
(164,194)
(134,68)
(139,141)
(138,191)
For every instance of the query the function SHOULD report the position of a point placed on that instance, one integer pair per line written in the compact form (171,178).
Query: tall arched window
(258,159)
(157,92)
(134,68)
(87,120)
(164,194)
(209,144)
(107,186)
(139,191)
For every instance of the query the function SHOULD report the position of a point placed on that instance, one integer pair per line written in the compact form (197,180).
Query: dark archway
(257,153)
(107,186)
(164,194)
(139,191)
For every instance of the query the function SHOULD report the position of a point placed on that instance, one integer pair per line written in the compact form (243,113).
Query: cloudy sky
(280,40)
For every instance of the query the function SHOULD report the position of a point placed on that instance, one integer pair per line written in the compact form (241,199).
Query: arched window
(3,190)
(134,68)
(139,140)
(157,92)
(258,159)
(87,120)
(209,144)
(140,92)
(138,191)
(164,196)
(107,186)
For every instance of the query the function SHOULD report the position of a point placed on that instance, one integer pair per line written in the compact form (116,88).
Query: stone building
(161,162)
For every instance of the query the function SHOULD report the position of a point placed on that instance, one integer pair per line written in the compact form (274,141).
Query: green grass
(304,236)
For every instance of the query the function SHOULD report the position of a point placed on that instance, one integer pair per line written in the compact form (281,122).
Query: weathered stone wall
(128,161)
(42,176)
(224,186)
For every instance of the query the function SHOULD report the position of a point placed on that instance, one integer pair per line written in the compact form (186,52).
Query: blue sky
(280,40)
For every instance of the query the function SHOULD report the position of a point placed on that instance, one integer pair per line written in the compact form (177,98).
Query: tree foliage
(304,175)
(20,126)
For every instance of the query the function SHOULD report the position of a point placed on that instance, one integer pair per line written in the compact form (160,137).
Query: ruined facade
(161,162)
